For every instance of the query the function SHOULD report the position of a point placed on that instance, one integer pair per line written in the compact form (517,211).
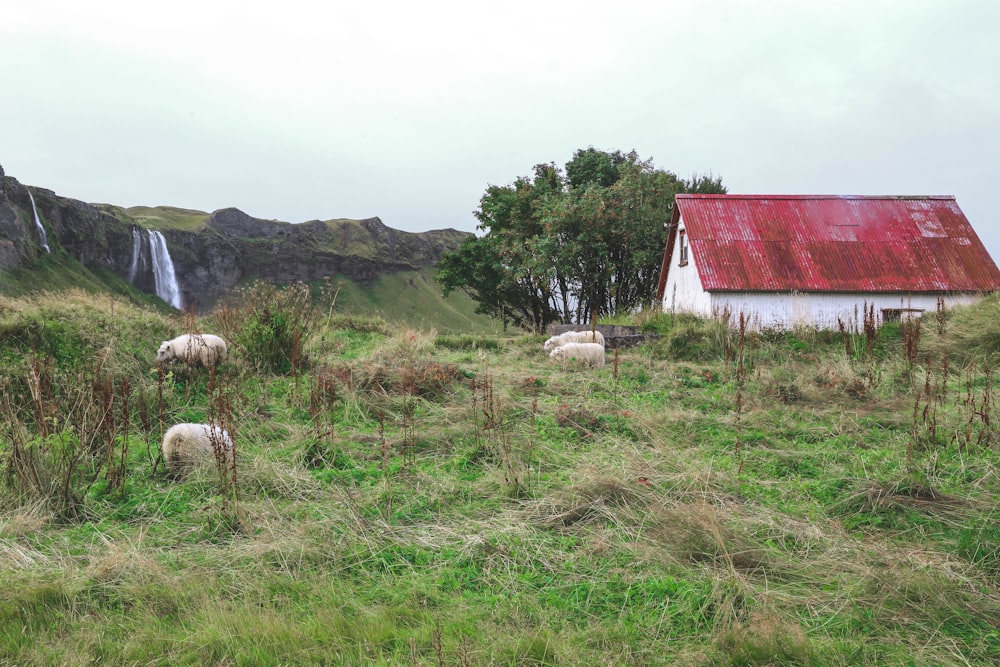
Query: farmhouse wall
(824,311)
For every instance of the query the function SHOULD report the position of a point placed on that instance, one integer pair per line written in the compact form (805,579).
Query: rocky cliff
(211,252)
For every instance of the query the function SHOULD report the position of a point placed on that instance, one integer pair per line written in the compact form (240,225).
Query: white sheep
(186,444)
(196,349)
(574,337)
(553,342)
(589,354)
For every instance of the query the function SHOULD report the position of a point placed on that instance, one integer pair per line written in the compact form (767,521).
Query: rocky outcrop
(14,246)
(228,249)
(82,230)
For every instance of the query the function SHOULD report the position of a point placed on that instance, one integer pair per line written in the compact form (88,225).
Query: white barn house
(820,260)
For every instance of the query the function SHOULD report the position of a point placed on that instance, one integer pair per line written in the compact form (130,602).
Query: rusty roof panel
(835,243)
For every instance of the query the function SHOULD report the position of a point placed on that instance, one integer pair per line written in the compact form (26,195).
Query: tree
(705,185)
(614,237)
(570,247)
(505,270)
(591,166)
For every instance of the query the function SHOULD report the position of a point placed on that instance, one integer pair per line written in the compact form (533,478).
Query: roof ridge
(814,196)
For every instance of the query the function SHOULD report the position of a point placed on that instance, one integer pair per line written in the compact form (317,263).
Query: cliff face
(89,235)
(211,253)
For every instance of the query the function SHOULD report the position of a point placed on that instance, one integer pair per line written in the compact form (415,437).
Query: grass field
(407,496)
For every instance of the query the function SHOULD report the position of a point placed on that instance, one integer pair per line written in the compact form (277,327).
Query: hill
(104,247)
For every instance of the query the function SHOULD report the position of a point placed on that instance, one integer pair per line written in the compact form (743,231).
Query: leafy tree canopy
(590,166)
(568,246)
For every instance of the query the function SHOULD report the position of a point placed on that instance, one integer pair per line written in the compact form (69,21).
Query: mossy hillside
(57,271)
(409,298)
(75,327)
(341,236)
(360,238)
(160,217)
(413,299)
(404,499)
(223,249)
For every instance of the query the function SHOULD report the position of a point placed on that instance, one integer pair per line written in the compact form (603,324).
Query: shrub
(269,325)
(67,429)
(428,379)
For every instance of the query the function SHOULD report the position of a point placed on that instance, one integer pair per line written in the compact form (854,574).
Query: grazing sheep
(196,349)
(186,444)
(552,342)
(589,354)
(574,337)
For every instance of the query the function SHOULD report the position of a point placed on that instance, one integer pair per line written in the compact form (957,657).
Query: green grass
(160,217)
(351,238)
(59,272)
(413,299)
(412,496)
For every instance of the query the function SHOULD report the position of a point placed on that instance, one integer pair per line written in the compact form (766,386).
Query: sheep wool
(574,337)
(186,444)
(205,350)
(589,354)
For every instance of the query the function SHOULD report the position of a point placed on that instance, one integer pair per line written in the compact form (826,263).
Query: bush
(269,325)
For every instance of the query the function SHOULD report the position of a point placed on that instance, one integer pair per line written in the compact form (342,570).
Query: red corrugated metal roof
(834,243)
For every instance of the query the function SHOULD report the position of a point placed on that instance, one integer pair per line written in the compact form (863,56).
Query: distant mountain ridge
(211,252)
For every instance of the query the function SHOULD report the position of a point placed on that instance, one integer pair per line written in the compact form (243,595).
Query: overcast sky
(299,110)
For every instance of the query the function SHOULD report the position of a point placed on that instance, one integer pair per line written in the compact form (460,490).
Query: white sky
(299,110)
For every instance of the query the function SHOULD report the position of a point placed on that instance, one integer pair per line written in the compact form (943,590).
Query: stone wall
(615,335)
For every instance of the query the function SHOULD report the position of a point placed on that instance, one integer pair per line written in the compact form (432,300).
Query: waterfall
(163,270)
(138,259)
(42,237)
